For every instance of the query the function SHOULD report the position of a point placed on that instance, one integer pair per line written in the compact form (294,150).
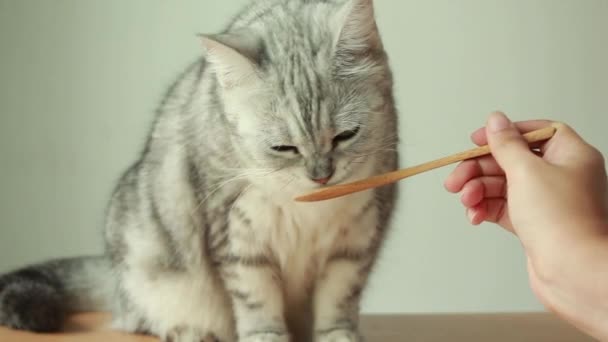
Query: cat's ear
(231,59)
(357,29)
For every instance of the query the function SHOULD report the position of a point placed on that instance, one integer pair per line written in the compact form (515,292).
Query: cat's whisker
(241,176)
(372,153)
(291,180)
(212,192)
(356,159)
(247,188)
(252,171)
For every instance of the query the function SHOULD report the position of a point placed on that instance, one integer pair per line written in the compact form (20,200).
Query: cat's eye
(285,148)
(346,135)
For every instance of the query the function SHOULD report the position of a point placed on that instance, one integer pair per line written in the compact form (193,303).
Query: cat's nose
(322,181)
(322,178)
(320,170)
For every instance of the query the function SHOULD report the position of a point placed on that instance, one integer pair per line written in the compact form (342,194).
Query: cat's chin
(282,192)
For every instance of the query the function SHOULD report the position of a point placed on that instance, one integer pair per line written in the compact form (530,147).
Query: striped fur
(203,239)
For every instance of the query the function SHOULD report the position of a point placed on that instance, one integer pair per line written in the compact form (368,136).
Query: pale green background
(79,81)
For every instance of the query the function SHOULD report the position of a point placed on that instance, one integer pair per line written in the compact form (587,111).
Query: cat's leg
(178,297)
(125,316)
(257,300)
(337,298)
(251,277)
(179,306)
(339,286)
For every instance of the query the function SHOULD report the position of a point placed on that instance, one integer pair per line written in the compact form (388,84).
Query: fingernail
(498,122)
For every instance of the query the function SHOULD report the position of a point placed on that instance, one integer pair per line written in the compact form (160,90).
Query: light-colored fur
(204,240)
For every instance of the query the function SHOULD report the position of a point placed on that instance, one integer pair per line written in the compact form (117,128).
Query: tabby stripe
(254,305)
(241,216)
(341,324)
(219,243)
(253,261)
(365,210)
(175,259)
(243,297)
(239,294)
(353,295)
(367,266)
(351,254)
(227,274)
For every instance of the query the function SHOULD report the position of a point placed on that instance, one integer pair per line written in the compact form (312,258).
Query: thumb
(508,146)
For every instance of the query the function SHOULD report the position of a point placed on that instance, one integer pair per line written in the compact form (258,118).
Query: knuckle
(594,157)
(598,156)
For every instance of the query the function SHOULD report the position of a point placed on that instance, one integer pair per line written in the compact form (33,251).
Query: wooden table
(391,328)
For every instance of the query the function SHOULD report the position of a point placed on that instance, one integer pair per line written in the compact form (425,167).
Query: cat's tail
(38,297)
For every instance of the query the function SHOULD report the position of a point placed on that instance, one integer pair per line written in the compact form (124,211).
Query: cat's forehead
(304,93)
(303,67)
(301,73)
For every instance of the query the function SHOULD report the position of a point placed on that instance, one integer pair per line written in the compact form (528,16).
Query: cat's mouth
(336,180)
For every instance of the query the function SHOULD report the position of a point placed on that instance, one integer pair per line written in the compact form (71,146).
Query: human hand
(562,185)
(555,199)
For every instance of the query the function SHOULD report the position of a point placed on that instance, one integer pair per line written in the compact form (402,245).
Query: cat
(203,240)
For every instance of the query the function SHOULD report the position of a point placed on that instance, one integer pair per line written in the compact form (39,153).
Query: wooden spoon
(392,177)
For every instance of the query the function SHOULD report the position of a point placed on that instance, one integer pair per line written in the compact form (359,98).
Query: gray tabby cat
(204,241)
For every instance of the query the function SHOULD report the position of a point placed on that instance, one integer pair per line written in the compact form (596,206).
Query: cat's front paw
(265,337)
(186,334)
(339,335)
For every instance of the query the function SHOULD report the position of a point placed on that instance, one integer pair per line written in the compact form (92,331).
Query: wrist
(567,246)
(561,254)
(573,286)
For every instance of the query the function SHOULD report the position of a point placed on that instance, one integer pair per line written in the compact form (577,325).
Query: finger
(507,144)
(478,189)
(497,212)
(479,137)
(469,169)
(476,215)
(491,210)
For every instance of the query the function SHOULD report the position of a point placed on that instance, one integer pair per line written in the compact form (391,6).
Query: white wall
(79,81)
